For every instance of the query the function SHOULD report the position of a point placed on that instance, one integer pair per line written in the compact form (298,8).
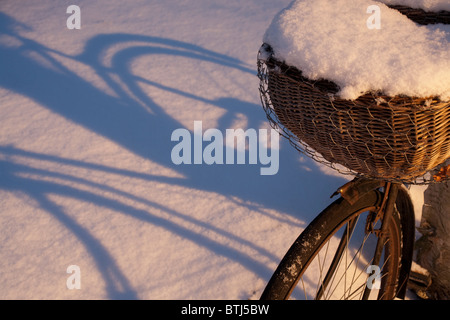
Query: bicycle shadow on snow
(125,119)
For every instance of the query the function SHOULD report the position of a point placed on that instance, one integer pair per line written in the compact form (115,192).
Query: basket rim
(329,87)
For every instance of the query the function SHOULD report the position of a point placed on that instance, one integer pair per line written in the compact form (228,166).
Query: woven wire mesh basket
(399,139)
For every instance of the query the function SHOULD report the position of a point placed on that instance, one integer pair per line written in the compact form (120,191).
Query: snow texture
(332,40)
(86,176)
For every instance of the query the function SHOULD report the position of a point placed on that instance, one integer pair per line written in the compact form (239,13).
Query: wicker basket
(391,138)
(423,17)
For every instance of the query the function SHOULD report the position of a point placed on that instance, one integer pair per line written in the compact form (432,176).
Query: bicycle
(370,229)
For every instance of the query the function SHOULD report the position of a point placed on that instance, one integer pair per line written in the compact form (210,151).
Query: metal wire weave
(399,139)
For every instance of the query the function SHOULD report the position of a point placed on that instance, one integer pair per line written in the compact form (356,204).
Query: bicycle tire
(318,233)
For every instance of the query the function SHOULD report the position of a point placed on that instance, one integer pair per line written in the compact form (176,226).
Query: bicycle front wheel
(333,257)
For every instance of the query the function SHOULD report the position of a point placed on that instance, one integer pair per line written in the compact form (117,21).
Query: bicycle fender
(355,189)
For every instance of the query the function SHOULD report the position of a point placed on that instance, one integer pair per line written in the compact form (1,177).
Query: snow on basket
(364,101)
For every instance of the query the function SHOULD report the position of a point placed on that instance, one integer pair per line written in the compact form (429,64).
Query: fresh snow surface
(427,5)
(331,39)
(86,176)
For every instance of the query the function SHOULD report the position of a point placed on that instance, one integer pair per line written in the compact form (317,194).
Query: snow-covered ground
(86,174)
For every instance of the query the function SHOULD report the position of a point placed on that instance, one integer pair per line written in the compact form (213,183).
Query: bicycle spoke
(320,283)
(304,289)
(355,264)
(336,260)
(343,277)
(348,265)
